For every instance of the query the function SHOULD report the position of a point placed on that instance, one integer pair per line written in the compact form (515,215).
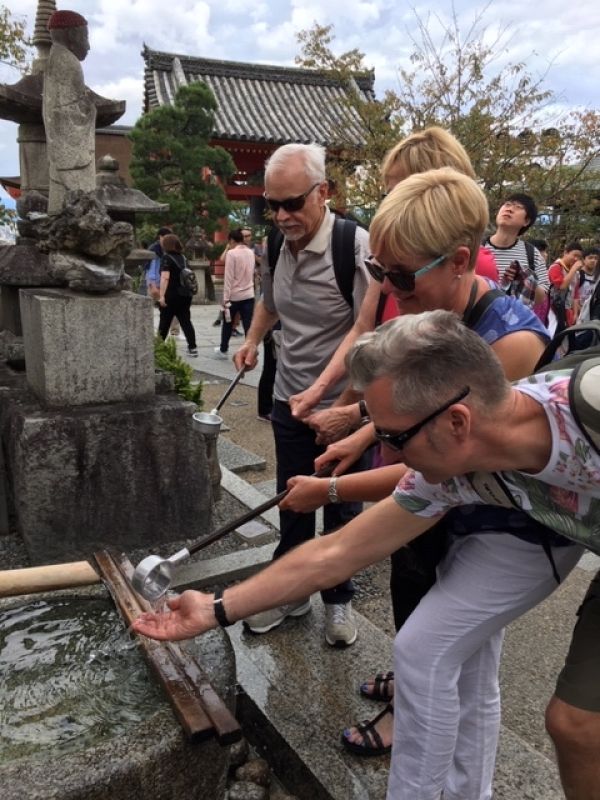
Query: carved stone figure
(69,111)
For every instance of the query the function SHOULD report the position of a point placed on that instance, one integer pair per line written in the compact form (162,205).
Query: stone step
(236,458)
(299,694)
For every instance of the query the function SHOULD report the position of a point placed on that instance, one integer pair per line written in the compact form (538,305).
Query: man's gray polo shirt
(314,315)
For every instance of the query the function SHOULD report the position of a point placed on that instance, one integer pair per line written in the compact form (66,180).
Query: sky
(558,39)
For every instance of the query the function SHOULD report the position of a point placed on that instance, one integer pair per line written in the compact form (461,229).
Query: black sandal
(380,688)
(372,744)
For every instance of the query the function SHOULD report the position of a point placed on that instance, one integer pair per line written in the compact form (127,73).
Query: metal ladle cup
(153,575)
(210,422)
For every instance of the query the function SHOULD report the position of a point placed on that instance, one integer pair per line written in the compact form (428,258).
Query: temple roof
(262,103)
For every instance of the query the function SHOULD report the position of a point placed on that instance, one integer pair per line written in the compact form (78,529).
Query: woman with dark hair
(175,299)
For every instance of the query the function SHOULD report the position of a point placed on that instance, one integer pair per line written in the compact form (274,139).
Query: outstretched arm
(308,493)
(320,563)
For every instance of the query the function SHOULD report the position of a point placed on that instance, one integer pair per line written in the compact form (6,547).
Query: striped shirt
(506,255)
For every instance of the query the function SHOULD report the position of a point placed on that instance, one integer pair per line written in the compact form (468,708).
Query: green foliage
(14,46)
(353,168)
(499,112)
(502,117)
(170,157)
(166,358)
(14,50)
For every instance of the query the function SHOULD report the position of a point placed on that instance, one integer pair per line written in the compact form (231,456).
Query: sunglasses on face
(398,277)
(397,441)
(290,204)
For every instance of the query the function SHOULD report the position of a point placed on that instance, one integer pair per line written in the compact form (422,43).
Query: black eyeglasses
(290,204)
(397,441)
(398,277)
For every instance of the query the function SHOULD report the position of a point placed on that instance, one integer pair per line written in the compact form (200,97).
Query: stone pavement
(207,338)
(298,713)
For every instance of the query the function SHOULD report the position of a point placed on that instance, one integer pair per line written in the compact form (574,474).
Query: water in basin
(69,676)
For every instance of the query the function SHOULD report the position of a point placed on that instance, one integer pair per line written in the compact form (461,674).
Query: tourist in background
(175,300)
(238,289)
(151,277)
(521,268)
(564,280)
(588,278)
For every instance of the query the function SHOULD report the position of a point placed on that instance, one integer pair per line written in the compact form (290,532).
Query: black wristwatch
(219,609)
(364,414)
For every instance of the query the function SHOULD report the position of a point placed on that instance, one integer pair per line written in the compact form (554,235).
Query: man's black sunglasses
(290,204)
(397,441)
(398,277)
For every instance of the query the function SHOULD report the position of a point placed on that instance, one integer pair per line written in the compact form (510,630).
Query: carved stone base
(82,349)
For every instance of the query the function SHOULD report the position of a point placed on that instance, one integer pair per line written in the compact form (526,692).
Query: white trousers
(446,660)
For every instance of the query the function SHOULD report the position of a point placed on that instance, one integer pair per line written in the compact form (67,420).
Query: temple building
(259,108)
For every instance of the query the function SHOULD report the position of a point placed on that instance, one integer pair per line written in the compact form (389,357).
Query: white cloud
(130,89)
(266,31)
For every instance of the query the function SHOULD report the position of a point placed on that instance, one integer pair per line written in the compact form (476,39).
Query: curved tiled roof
(262,103)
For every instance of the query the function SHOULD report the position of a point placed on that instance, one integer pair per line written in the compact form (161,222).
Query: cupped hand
(346,451)
(331,424)
(302,404)
(190,614)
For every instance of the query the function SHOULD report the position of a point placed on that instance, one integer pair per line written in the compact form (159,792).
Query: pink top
(238,280)
(486,265)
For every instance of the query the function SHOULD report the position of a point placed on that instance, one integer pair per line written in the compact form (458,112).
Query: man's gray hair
(430,357)
(313,156)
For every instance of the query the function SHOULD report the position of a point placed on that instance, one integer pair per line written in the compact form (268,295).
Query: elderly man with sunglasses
(436,391)
(303,294)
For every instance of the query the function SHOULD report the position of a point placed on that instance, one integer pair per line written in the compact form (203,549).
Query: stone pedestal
(82,349)
(33,157)
(125,475)
(206,290)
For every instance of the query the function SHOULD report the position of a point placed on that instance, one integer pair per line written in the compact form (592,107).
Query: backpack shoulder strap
(342,251)
(174,260)
(274,245)
(530,250)
(584,399)
(478,310)
(380,308)
(575,354)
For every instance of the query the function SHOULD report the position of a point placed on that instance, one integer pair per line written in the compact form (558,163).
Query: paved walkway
(208,337)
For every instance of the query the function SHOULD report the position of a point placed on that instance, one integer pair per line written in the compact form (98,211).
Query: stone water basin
(81,716)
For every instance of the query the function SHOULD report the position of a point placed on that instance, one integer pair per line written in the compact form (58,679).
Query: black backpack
(342,251)
(188,284)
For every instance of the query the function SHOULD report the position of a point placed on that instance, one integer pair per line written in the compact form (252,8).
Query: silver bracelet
(332,491)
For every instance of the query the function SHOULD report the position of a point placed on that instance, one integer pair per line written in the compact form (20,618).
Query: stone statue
(69,111)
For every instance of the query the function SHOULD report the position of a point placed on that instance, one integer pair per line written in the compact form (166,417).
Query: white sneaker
(220,354)
(267,620)
(340,628)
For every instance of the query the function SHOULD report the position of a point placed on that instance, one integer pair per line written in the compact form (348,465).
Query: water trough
(128,753)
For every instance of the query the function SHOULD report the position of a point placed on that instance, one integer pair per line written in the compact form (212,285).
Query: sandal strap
(366,728)
(381,683)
